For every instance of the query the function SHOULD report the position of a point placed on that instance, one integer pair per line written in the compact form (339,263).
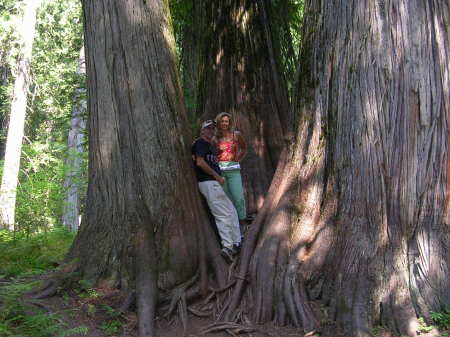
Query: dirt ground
(97,310)
(99,315)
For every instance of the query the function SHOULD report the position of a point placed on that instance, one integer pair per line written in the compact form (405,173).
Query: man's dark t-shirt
(208,151)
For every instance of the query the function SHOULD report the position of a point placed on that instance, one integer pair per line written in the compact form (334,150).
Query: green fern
(24,256)
(80,330)
(442,319)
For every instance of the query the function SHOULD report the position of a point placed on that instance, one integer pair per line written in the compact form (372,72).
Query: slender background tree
(8,13)
(73,177)
(17,117)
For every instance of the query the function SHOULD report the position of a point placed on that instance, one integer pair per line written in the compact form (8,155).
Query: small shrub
(423,327)
(86,290)
(442,319)
(111,327)
(91,309)
(110,311)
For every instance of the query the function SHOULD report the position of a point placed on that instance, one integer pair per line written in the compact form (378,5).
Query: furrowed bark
(355,217)
(145,228)
(240,75)
(367,235)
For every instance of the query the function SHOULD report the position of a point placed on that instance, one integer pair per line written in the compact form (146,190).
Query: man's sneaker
(250,218)
(227,254)
(236,249)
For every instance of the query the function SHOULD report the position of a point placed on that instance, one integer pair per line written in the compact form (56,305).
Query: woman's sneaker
(227,254)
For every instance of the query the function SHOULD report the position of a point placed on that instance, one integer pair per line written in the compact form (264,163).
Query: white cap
(208,123)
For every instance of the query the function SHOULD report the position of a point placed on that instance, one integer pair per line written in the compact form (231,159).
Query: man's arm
(207,169)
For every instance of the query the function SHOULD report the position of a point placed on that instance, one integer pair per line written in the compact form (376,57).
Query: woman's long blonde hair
(231,125)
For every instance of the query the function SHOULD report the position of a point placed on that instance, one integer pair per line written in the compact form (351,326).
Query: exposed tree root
(232,329)
(146,278)
(129,302)
(199,313)
(296,302)
(183,313)
(39,305)
(214,292)
(253,234)
(49,289)
(179,295)
(63,278)
(224,326)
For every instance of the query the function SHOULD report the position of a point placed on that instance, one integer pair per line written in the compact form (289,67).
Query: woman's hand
(220,179)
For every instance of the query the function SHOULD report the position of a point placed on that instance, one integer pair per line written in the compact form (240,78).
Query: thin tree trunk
(17,117)
(5,98)
(72,182)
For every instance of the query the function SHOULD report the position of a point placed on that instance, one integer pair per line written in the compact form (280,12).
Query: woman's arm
(242,148)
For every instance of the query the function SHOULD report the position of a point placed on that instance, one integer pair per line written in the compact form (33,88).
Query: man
(210,183)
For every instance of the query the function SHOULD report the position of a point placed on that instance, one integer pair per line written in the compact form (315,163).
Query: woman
(231,149)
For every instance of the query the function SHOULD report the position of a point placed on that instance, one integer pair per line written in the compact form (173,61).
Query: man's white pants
(224,212)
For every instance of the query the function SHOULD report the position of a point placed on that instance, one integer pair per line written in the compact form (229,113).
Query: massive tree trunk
(17,117)
(72,181)
(241,76)
(191,61)
(356,216)
(144,225)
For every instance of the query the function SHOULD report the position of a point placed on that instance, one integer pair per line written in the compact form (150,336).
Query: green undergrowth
(18,319)
(439,321)
(24,257)
(442,319)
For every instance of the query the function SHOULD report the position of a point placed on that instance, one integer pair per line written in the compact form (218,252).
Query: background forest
(53,81)
(52,179)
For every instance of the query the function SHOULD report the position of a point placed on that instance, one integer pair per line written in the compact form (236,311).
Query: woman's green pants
(233,187)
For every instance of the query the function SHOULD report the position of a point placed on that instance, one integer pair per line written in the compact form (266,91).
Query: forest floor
(95,314)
